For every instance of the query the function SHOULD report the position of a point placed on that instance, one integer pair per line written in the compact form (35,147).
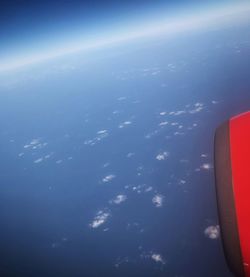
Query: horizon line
(214,17)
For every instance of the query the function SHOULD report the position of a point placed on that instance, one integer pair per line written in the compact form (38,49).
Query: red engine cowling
(232,175)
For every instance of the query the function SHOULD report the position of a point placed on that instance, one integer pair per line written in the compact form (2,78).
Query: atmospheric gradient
(107,115)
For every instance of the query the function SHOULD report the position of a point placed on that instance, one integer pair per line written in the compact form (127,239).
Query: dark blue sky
(21,20)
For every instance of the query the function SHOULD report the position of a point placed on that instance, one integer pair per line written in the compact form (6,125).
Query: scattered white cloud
(175,113)
(129,155)
(35,144)
(100,218)
(184,161)
(138,188)
(108,178)
(27,146)
(35,141)
(121,261)
(182,182)
(206,166)
(212,232)
(157,258)
(125,123)
(163,113)
(179,133)
(198,107)
(38,160)
(152,134)
(121,98)
(148,189)
(102,132)
(136,102)
(163,123)
(118,199)
(100,136)
(158,200)
(155,72)
(106,165)
(162,156)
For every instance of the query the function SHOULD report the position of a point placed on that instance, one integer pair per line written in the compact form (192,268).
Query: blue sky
(21,20)
(28,27)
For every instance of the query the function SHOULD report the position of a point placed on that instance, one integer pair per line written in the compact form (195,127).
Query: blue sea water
(107,157)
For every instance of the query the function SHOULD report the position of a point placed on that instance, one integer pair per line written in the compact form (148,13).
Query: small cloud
(163,123)
(148,189)
(138,188)
(34,141)
(121,98)
(206,166)
(182,182)
(100,218)
(102,132)
(162,156)
(38,160)
(119,199)
(157,258)
(197,108)
(108,178)
(158,200)
(125,123)
(177,113)
(35,144)
(215,102)
(184,161)
(27,146)
(198,104)
(163,113)
(212,232)
(100,136)
(155,72)
(129,155)
(106,165)
(58,161)
(152,134)
(179,133)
